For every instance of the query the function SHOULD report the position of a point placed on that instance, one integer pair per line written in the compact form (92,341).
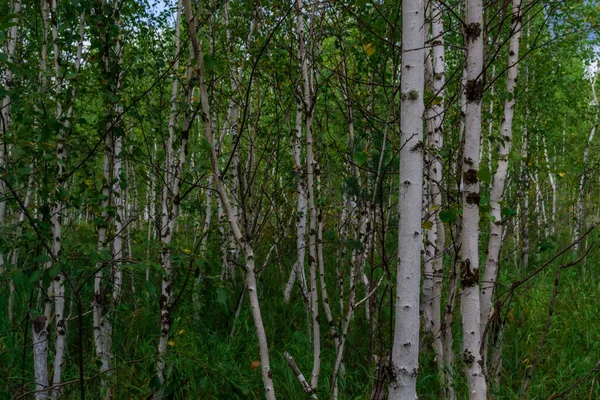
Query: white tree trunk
(523,211)
(120,223)
(497,191)
(301,208)
(470,306)
(436,235)
(40,357)
(111,59)
(58,208)
(171,200)
(310,162)
(553,185)
(405,351)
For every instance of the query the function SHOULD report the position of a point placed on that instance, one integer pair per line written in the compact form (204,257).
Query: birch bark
(436,234)
(171,198)
(405,350)
(40,357)
(308,106)
(470,305)
(488,284)
(301,208)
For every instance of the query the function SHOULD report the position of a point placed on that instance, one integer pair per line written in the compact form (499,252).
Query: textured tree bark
(552,178)
(171,200)
(103,282)
(301,208)
(523,206)
(436,235)
(58,207)
(497,191)
(308,106)
(40,357)
(447,336)
(405,350)
(470,305)
(117,246)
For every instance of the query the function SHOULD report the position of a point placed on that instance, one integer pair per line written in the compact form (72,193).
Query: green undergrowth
(206,362)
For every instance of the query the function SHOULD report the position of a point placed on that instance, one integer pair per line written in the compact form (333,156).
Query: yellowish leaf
(562,174)
(181,332)
(171,343)
(369,49)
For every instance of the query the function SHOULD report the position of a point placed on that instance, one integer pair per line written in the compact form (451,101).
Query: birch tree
(470,305)
(405,350)
(435,238)
(497,192)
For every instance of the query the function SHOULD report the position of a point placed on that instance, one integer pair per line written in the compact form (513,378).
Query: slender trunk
(436,235)
(308,97)
(552,178)
(322,281)
(103,282)
(405,350)
(120,223)
(40,357)
(204,240)
(497,191)
(58,208)
(523,215)
(234,224)
(301,208)
(171,200)
(470,305)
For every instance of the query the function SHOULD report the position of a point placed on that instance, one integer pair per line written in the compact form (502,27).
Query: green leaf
(209,62)
(42,258)
(506,96)
(360,157)
(150,288)
(54,271)
(484,175)
(449,216)
(508,212)
(222,297)
(18,278)
(46,278)
(35,277)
